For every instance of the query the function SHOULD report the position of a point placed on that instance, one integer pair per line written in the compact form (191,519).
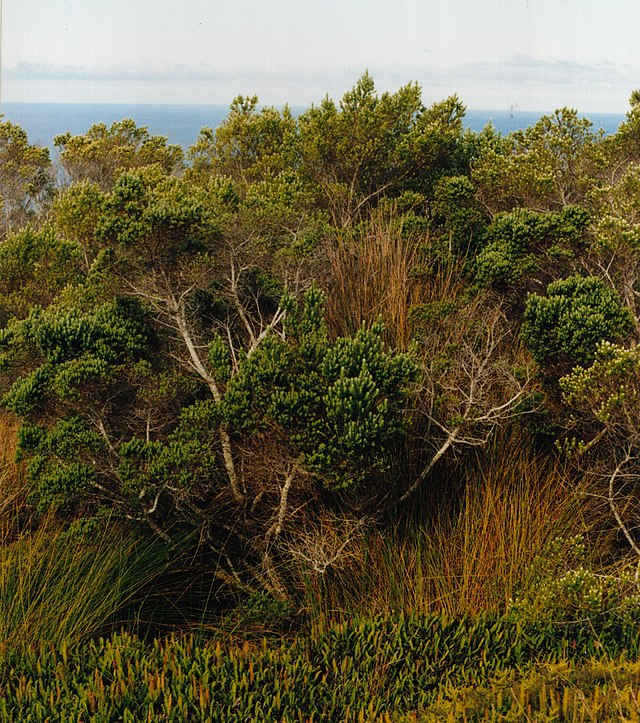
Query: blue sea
(182,123)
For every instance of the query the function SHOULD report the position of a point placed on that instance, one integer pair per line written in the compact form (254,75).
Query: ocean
(181,124)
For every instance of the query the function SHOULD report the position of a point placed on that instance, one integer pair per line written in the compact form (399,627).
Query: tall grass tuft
(467,555)
(12,480)
(377,272)
(58,585)
(513,504)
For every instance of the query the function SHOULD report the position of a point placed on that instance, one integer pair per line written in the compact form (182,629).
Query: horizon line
(511,110)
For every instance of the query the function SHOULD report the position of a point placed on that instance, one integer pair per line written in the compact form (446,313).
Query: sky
(494,54)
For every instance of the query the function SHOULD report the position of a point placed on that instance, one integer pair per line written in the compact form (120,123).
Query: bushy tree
(603,432)
(69,385)
(548,166)
(76,211)
(182,374)
(369,147)
(455,216)
(26,178)
(606,394)
(103,153)
(250,145)
(564,328)
(623,147)
(35,266)
(615,247)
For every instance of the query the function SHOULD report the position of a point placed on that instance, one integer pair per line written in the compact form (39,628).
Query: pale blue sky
(495,54)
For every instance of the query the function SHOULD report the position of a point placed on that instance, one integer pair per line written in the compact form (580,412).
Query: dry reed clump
(377,272)
(470,555)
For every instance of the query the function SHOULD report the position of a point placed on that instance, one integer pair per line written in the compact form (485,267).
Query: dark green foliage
(338,402)
(522,241)
(185,459)
(456,214)
(565,327)
(156,216)
(61,460)
(77,369)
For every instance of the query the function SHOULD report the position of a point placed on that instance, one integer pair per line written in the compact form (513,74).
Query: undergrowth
(469,554)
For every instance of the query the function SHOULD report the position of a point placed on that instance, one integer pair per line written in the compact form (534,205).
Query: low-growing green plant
(376,669)
(563,691)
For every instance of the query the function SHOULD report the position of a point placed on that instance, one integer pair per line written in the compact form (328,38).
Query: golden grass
(470,555)
(377,273)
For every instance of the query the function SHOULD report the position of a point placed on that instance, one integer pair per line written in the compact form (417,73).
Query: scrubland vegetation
(334,417)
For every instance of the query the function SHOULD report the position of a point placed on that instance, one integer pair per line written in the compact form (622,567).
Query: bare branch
(432,463)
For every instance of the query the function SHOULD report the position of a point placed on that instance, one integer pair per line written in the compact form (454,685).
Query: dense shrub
(564,328)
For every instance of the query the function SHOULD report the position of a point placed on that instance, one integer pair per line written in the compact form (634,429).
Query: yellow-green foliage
(372,670)
(595,691)
(608,390)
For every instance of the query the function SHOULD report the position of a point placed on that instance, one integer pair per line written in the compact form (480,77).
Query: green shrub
(566,589)
(564,328)
(518,242)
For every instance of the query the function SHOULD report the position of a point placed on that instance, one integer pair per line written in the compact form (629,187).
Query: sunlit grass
(60,586)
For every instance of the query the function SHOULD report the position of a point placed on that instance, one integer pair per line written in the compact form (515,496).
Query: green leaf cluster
(565,326)
(519,242)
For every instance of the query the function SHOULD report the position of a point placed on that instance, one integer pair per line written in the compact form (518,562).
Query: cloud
(525,82)
(529,70)
(26,71)
(521,80)
(520,70)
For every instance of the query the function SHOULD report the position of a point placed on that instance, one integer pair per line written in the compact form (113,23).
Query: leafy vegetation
(359,378)
(374,670)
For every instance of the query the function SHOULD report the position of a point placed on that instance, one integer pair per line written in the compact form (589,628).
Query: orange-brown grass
(12,479)
(512,506)
(473,551)
(377,272)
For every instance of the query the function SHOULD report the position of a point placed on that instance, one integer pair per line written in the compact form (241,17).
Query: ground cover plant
(352,384)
